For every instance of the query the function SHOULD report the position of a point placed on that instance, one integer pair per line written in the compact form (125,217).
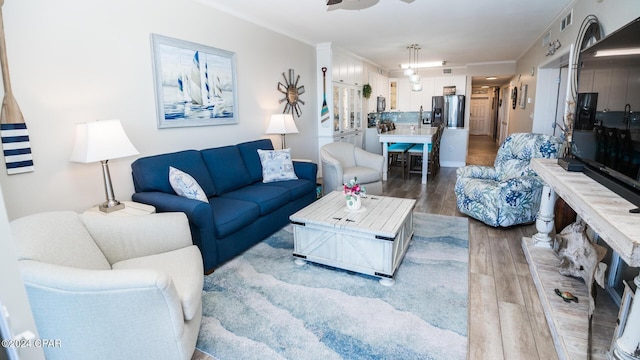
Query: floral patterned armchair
(509,192)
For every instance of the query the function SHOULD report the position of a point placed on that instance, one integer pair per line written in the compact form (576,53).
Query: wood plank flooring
(506,320)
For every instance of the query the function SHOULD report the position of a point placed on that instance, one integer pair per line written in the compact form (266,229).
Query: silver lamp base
(108,206)
(111,204)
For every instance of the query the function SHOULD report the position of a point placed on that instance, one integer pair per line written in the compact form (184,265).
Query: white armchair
(342,162)
(112,287)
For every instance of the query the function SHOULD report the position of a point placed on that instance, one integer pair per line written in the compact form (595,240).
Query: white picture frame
(523,96)
(195,85)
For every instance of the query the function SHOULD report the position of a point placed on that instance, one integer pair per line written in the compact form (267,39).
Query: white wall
(612,14)
(74,60)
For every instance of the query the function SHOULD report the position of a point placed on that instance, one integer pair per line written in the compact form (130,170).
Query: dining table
(415,135)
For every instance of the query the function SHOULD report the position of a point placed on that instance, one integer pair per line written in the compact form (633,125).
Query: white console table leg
(544,220)
(385,154)
(627,346)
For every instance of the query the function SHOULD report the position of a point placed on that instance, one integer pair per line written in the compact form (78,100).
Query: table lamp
(282,124)
(101,141)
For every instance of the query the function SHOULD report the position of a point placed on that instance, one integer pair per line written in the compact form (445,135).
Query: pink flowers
(352,188)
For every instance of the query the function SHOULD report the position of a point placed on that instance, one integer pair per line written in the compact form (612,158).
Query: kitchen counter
(406,135)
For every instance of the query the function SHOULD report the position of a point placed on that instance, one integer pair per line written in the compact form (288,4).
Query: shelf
(568,322)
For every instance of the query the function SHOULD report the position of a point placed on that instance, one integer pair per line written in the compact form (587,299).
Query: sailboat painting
(195,84)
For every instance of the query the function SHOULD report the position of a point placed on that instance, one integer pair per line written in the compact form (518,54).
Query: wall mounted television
(606,134)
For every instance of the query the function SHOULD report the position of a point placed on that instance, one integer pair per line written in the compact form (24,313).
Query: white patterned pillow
(276,165)
(185,185)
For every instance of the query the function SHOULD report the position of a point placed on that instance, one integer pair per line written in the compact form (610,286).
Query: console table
(608,215)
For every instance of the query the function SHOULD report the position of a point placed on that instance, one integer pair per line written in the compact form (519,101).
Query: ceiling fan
(354,4)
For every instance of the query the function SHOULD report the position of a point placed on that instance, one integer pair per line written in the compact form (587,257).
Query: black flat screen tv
(606,135)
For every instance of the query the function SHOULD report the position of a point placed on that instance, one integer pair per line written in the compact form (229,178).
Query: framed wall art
(195,84)
(523,96)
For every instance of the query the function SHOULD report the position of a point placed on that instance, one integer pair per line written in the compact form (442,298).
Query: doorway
(480,116)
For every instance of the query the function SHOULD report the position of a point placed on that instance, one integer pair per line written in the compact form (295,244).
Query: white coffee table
(372,240)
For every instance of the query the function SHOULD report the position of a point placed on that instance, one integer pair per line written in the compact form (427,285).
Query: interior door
(479,119)
(503,114)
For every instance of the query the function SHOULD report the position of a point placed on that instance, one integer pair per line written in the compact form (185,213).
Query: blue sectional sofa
(241,209)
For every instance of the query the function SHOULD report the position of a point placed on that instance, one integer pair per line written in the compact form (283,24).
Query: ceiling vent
(446,71)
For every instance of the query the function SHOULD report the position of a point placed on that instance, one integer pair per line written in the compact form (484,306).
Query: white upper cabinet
(379,87)
(409,100)
(347,69)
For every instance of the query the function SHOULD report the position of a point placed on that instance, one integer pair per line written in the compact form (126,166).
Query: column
(544,220)
(627,346)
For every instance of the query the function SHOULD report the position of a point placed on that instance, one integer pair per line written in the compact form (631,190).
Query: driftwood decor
(13,130)
(580,258)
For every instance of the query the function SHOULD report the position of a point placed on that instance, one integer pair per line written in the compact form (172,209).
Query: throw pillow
(185,185)
(276,165)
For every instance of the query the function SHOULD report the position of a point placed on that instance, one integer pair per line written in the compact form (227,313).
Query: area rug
(262,305)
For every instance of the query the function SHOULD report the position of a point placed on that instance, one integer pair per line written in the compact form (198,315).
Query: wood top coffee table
(372,240)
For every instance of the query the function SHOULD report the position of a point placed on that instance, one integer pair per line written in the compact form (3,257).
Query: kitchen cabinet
(409,100)
(344,80)
(346,68)
(347,109)
(379,87)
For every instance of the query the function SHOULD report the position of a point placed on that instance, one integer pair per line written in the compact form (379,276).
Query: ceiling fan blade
(333,2)
(408,1)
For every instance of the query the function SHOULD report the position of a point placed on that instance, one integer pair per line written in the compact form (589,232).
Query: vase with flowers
(354,194)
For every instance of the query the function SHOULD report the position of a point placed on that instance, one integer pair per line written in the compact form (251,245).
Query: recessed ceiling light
(492,78)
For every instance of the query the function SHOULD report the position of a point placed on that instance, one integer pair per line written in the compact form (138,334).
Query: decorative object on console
(580,258)
(195,84)
(354,194)
(291,93)
(566,296)
(282,124)
(13,129)
(102,141)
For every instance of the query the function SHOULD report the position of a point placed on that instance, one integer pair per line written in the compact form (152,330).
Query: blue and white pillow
(185,185)
(276,165)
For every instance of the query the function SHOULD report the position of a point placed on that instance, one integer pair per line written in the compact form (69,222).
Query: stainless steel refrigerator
(448,109)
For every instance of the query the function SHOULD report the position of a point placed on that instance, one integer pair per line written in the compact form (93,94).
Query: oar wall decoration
(13,130)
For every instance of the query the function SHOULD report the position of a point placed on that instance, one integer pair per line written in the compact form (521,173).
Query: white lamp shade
(416,87)
(101,140)
(282,124)
(415,78)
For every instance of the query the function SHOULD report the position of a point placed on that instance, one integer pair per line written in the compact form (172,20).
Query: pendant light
(416,85)
(409,70)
